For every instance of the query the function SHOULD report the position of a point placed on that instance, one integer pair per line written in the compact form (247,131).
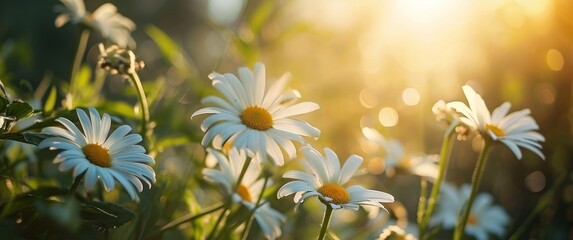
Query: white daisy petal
(349,168)
(297,109)
(104,130)
(107,180)
(259,77)
(297,127)
(305,177)
(316,163)
(285,143)
(332,165)
(57,131)
(500,112)
(218,101)
(69,163)
(122,178)
(81,167)
(125,142)
(513,147)
(116,135)
(90,178)
(293,187)
(249,82)
(275,90)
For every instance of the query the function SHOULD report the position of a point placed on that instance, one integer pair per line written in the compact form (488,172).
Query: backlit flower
(395,157)
(100,155)
(514,130)
(250,118)
(327,182)
(449,116)
(248,191)
(105,19)
(484,218)
(118,60)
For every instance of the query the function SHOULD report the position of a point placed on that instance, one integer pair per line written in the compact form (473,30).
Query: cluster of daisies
(257,125)
(252,127)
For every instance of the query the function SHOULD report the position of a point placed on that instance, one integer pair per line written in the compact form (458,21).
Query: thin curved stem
(75,185)
(476,179)
(543,202)
(252,213)
(443,166)
(143,102)
(78,58)
(226,206)
(187,218)
(325,222)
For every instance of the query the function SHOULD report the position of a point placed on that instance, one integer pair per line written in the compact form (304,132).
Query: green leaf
(25,137)
(51,101)
(21,203)
(172,52)
(3,89)
(261,16)
(83,78)
(19,110)
(3,104)
(104,214)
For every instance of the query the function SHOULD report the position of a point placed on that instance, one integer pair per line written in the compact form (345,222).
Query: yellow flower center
(338,194)
(472,219)
(97,155)
(244,193)
(495,130)
(405,163)
(257,118)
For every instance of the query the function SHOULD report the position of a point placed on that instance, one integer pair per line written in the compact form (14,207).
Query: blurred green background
(380,64)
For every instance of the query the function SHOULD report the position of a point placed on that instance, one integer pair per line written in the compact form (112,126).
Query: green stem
(443,166)
(422,200)
(78,58)
(187,218)
(543,202)
(325,222)
(226,206)
(252,213)
(243,172)
(75,185)
(476,179)
(143,102)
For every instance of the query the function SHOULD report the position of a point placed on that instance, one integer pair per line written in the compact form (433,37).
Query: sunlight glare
(410,96)
(388,117)
(554,60)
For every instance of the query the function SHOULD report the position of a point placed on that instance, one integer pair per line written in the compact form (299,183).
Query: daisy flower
(250,118)
(100,155)
(484,218)
(249,189)
(396,158)
(326,182)
(105,19)
(514,130)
